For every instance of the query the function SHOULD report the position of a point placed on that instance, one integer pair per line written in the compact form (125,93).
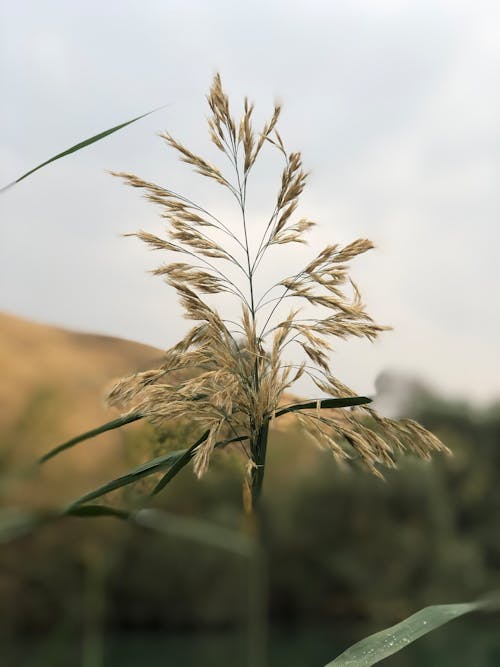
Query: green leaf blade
(108,426)
(188,456)
(382,644)
(179,464)
(175,461)
(325,403)
(149,468)
(79,146)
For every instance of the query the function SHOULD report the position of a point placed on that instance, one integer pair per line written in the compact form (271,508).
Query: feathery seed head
(231,381)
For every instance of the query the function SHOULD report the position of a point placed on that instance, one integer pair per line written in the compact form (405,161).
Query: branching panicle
(232,386)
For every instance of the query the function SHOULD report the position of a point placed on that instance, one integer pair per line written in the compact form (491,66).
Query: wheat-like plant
(230,377)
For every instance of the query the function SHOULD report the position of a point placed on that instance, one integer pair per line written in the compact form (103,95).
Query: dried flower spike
(234,374)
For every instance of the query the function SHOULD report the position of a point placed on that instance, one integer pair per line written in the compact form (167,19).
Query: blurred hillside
(342,544)
(52,387)
(79,365)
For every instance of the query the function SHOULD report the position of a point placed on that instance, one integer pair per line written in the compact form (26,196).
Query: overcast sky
(394,104)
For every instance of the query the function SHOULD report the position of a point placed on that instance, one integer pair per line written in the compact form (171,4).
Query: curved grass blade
(79,146)
(149,468)
(382,644)
(109,426)
(173,460)
(187,457)
(179,464)
(324,403)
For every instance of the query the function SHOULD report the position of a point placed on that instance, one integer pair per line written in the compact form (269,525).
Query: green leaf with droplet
(382,644)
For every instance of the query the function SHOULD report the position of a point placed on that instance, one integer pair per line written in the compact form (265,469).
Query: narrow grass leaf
(149,468)
(187,457)
(109,426)
(178,465)
(382,644)
(325,403)
(79,146)
(173,460)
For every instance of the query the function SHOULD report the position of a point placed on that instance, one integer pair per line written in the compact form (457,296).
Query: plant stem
(93,639)
(258,447)
(258,601)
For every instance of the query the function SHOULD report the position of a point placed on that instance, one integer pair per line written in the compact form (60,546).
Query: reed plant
(229,377)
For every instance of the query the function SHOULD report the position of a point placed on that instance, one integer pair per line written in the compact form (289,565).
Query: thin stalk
(207,237)
(197,207)
(236,291)
(94,608)
(278,301)
(263,245)
(245,233)
(258,608)
(258,439)
(258,446)
(242,198)
(184,250)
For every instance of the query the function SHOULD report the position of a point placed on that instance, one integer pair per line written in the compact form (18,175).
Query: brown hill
(52,383)
(34,354)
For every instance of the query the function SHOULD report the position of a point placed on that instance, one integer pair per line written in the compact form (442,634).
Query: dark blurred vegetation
(342,544)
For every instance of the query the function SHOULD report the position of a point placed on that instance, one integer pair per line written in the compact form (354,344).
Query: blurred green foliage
(341,544)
